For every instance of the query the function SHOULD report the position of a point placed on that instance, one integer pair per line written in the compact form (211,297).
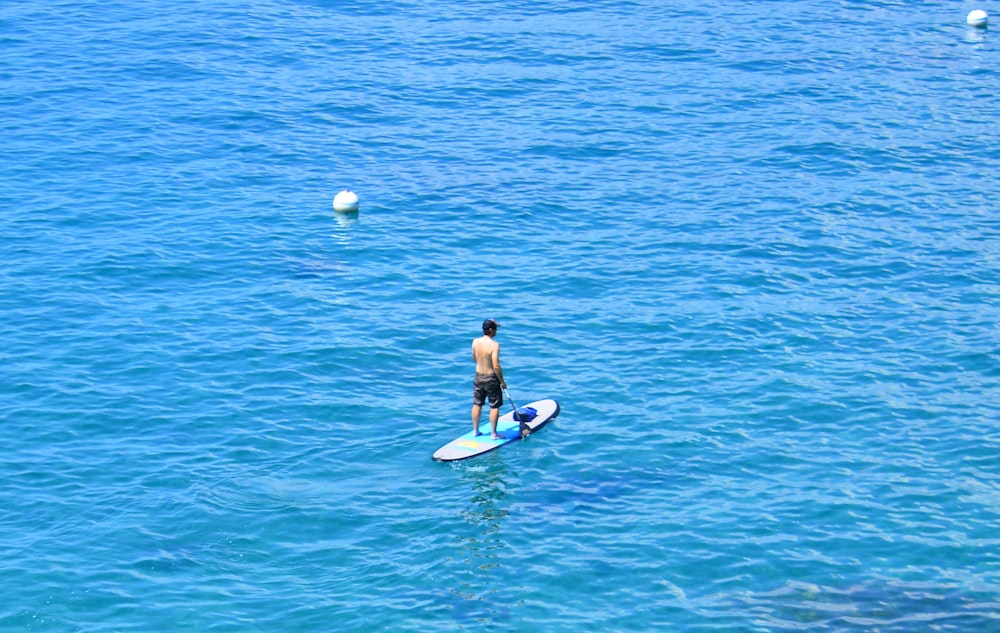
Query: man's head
(490,327)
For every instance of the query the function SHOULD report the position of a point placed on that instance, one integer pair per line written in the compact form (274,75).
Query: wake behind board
(508,430)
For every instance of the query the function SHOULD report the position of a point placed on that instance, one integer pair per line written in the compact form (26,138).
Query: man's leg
(494,416)
(476,411)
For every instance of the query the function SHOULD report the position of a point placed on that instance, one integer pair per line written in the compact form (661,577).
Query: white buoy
(977,18)
(345,202)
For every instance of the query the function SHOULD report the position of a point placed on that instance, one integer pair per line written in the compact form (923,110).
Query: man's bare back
(486,353)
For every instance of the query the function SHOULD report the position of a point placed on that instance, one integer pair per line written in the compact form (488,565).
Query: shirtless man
(489,381)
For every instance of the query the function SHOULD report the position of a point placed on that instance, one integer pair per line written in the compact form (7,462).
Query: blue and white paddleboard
(508,430)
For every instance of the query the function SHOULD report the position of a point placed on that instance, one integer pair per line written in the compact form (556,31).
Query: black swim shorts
(487,386)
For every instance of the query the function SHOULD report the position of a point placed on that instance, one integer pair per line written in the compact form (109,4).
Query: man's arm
(496,366)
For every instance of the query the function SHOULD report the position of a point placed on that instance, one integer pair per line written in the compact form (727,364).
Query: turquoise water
(752,249)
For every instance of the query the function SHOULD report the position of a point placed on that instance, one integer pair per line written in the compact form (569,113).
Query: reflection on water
(477,577)
(486,483)
(346,218)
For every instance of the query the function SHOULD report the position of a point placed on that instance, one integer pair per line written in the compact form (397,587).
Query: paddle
(521,426)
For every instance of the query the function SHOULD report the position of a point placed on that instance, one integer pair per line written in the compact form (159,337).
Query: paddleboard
(508,431)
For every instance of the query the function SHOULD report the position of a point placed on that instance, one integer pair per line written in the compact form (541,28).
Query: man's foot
(494,436)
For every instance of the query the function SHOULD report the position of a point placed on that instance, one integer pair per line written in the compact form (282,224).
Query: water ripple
(754,258)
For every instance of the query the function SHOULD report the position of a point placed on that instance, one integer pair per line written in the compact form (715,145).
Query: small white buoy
(345,202)
(977,18)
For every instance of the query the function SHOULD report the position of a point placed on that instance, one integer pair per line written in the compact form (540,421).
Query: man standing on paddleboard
(488,383)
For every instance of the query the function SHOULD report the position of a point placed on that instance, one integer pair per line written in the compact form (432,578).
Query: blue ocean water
(752,248)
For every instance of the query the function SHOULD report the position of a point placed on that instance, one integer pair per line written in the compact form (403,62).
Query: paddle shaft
(507,393)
